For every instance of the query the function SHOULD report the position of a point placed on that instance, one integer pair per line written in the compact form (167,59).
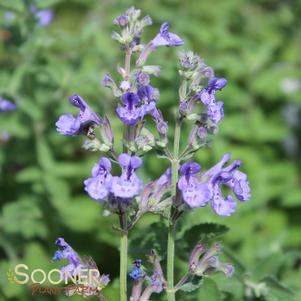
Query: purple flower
(6,105)
(128,184)
(44,17)
(137,272)
(163,38)
(67,253)
(194,192)
(99,185)
(129,113)
(166,38)
(69,125)
(215,111)
(236,180)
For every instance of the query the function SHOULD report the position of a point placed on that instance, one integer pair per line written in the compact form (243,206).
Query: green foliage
(254,44)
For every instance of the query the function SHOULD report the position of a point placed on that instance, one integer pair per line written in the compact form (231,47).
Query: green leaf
(190,286)
(204,232)
(277,291)
(209,291)
(25,218)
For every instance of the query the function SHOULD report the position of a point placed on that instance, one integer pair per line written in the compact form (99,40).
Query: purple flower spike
(6,105)
(128,184)
(98,187)
(129,113)
(165,38)
(195,193)
(69,125)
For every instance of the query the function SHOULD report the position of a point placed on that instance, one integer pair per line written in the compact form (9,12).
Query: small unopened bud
(122,20)
(208,72)
(196,253)
(202,132)
(107,132)
(125,85)
(146,21)
(143,78)
(152,70)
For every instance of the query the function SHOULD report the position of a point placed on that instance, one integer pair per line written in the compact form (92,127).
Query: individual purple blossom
(44,16)
(194,192)
(231,177)
(137,272)
(99,185)
(128,184)
(129,113)
(6,105)
(163,38)
(67,253)
(69,125)
(166,38)
(215,111)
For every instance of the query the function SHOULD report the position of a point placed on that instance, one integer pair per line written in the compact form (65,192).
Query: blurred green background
(255,44)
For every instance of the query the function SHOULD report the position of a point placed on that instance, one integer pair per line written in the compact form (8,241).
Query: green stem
(123,259)
(172,226)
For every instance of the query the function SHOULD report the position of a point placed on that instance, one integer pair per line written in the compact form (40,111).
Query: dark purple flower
(67,253)
(6,105)
(166,38)
(128,184)
(99,185)
(194,192)
(129,113)
(69,125)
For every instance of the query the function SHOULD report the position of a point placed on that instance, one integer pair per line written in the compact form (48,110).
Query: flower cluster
(120,190)
(198,189)
(183,185)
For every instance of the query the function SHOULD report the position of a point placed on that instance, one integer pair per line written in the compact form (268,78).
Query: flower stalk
(172,225)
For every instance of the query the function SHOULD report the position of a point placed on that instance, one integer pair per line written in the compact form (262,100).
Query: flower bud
(122,20)
(152,70)
(198,250)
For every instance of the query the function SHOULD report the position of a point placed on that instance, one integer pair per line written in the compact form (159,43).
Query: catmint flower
(215,111)
(163,38)
(196,253)
(229,176)
(122,20)
(125,85)
(6,105)
(195,193)
(69,125)
(67,253)
(44,17)
(98,187)
(208,72)
(166,38)
(129,113)
(128,184)
(137,272)
(109,82)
